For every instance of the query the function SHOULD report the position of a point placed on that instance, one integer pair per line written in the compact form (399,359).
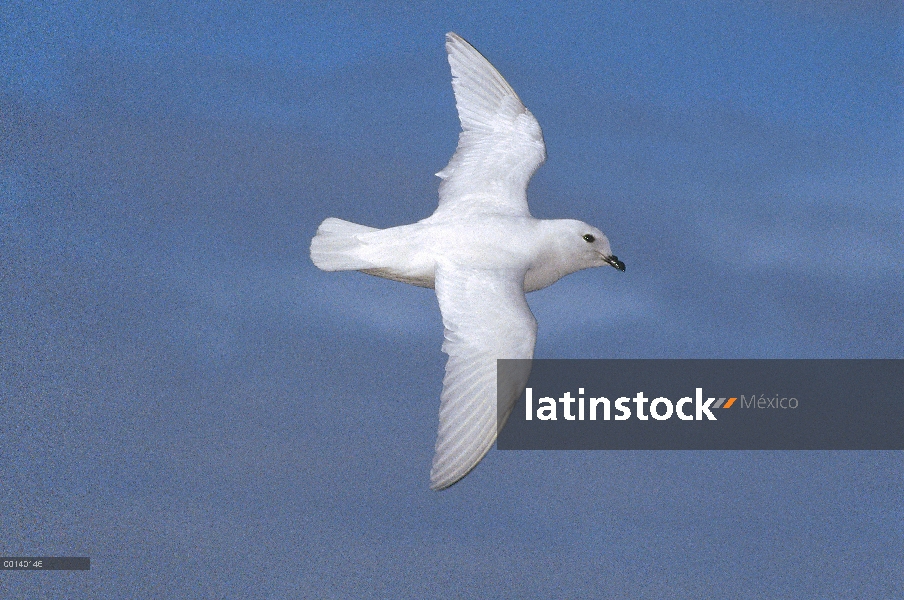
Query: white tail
(336,246)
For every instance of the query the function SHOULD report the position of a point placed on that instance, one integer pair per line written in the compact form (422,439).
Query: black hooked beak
(613,261)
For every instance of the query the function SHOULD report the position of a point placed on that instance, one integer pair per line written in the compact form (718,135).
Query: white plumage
(500,145)
(481,250)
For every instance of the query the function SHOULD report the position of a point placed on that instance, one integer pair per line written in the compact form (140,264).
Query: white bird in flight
(481,250)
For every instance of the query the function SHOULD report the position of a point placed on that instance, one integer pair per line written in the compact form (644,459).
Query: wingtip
(445,476)
(453,39)
(444,484)
(441,481)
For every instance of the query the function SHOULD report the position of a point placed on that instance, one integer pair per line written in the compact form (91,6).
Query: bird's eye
(589,238)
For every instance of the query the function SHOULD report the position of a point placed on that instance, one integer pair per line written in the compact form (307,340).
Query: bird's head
(589,246)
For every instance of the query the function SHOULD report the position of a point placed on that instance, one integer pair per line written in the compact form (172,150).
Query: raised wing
(486,317)
(500,145)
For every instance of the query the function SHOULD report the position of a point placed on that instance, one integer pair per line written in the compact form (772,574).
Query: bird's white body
(481,250)
(409,253)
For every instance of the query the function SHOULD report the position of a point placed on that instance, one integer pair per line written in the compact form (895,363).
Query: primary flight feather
(481,250)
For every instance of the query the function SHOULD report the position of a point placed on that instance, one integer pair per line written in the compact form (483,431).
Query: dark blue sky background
(187,400)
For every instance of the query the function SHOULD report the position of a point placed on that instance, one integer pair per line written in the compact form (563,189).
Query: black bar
(45,563)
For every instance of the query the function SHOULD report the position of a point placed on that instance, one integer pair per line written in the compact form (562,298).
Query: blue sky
(190,402)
